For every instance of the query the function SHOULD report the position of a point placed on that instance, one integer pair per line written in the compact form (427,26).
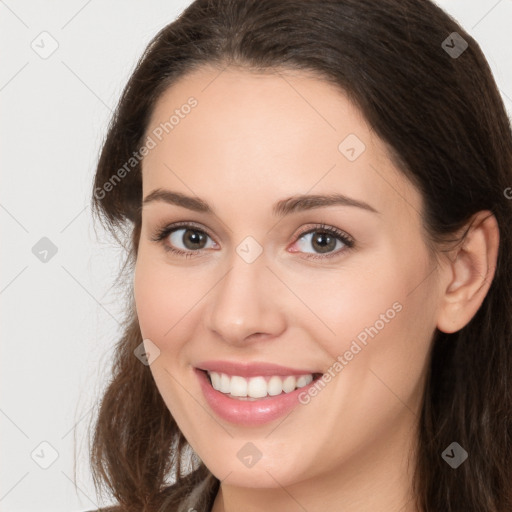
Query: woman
(314,194)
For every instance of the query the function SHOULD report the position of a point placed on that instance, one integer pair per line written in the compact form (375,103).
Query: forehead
(274,133)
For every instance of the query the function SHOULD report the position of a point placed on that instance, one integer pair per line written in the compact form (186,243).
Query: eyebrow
(280,209)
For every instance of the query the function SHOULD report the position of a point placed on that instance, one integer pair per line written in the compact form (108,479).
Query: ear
(469,272)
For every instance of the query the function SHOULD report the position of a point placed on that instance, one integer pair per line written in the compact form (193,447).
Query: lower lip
(249,412)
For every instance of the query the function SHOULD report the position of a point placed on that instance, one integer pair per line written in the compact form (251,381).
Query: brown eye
(191,238)
(184,239)
(324,240)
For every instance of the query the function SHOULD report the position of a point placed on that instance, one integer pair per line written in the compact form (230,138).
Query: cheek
(161,291)
(149,299)
(164,302)
(384,324)
(169,301)
(160,299)
(341,304)
(378,315)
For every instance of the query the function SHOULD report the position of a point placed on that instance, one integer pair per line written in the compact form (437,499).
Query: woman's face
(300,245)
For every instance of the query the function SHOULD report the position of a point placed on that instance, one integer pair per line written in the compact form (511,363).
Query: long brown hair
(444,121)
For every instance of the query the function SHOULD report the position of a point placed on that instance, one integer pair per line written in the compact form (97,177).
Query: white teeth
(224,383)
(274,386)
(215,380)
(289,383)
(238,386)
(304,380)
(257,387)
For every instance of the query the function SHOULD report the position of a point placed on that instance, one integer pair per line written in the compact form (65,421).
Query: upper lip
(253,369)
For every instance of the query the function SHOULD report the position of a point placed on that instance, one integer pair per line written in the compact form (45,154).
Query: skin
(252,140)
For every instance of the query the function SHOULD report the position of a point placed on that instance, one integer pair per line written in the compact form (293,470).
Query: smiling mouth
(258,387)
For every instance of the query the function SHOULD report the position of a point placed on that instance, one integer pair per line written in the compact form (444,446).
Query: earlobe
(469,273)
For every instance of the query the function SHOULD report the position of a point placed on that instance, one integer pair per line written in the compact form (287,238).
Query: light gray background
(60,318)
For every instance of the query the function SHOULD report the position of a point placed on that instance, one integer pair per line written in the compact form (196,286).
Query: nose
(245,305)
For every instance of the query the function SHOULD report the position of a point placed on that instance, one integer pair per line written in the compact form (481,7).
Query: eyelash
(162,233)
